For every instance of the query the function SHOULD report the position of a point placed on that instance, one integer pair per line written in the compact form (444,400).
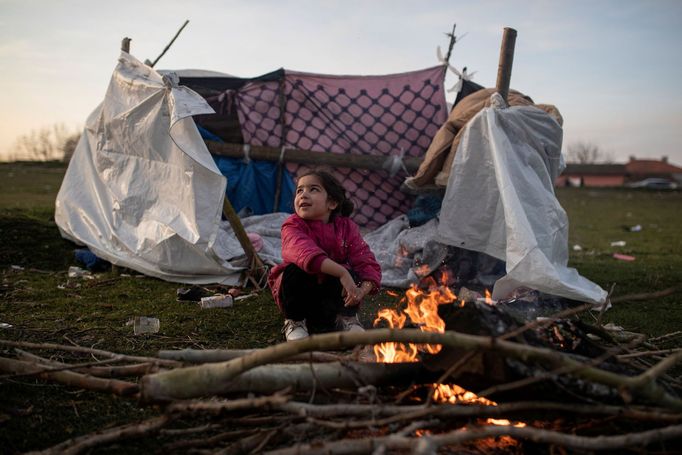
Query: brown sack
(435,169)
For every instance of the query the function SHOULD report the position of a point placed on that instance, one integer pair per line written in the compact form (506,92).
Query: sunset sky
(613,68)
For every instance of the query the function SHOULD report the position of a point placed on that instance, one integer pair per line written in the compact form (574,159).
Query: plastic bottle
(143,324)
(217,301)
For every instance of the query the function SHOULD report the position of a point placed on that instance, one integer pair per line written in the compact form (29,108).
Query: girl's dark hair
(335,191)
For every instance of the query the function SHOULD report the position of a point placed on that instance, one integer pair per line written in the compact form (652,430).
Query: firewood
(222,355)
(430,444)
(115,386)
(209,379)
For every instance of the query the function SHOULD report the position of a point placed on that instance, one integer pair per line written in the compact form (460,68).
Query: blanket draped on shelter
(390,115)
(142,190)
(500,201)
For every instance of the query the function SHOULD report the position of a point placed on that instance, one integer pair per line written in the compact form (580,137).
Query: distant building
(612,175)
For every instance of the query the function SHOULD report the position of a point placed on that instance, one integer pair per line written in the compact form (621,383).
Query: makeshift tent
(142,190)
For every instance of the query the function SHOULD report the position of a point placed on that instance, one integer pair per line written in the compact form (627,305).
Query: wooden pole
(125,44)
(283,137)
(504,68)
(344,160)
(256,266)
(451,44)
(169,44)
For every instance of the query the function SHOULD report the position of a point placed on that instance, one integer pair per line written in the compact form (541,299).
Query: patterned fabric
(378,115)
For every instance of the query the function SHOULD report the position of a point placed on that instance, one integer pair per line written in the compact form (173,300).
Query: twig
(429,444)
(222,355)
(193,430)
(139,369)
(603,308)
(51,365)
(647,353)
(665,337)
(77,348)
(210,441)
(539,323)
(88,441)
(250,444)
(546,375)
(20,367)
(219,406)
(645,295)
(169,44)
(393,413)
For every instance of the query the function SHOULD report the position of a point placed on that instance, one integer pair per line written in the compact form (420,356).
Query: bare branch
(209,379)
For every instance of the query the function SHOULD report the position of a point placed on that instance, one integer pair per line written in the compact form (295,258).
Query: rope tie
(246,149)
(394,163)
(281,154)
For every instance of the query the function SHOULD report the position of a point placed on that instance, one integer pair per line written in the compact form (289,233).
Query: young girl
(327,267)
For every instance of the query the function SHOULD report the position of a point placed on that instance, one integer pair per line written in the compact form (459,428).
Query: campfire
(451,370)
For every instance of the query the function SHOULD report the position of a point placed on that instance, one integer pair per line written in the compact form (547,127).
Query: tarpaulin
(500,201)
(142,190)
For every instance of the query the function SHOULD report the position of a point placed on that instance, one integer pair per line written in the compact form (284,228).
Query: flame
(505,422)
(422,308)
(452,393)
(392,294)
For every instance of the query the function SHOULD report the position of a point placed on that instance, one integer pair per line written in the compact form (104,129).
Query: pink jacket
(308,243)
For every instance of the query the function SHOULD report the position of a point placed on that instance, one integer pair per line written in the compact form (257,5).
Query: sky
(613,68)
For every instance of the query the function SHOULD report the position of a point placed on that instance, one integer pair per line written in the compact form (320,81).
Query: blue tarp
(251,185)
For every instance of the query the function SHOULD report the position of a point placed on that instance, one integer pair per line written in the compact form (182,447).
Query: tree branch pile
(298,397)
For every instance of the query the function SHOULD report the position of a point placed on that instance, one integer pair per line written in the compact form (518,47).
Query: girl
(327,267)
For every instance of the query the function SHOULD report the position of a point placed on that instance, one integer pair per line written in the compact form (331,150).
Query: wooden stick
(451,44)
(133,430)
(91,368)
(645,295)
(221,355)
(125,45)
(504,68)
(335,160)
(430,444)
(93,351)
(256,265)
(70,378)
(209,379)
(169,44)
(457,411)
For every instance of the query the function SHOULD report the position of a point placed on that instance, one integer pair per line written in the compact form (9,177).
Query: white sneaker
(294,330)
(349,324)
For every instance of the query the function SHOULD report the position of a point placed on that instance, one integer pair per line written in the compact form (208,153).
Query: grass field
(42,305)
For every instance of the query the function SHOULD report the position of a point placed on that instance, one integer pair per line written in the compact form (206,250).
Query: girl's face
(311,201)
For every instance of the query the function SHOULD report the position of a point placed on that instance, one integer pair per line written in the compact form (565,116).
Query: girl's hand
(352,294)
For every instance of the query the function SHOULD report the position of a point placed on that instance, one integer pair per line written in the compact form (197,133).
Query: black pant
(303,297)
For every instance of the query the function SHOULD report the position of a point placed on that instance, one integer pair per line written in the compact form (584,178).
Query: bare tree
(49,143)
(587,153)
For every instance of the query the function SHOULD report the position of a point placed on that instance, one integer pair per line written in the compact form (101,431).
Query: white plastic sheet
(142,190)
(500,200)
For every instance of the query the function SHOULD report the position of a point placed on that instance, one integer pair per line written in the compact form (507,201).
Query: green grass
(35,415)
